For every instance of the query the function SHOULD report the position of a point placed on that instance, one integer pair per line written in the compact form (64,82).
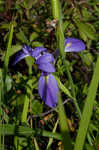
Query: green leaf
(63,88)
(93,127)
(19,100)
(30,62)
(65,25)
(1,89)
(87,110)
(51,139)
(87,29)
(37,107)
(8,82)
(37,44)
(66,139)
(9,129)
(86,14)
(88,147)
(6,60)
(36,145)
(14,49)
(87,58)
(25,109)
(33,36)
(4,26)
(5,116)
(21,36)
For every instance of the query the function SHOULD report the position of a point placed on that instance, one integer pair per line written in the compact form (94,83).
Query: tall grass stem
(88,108)
(57,14)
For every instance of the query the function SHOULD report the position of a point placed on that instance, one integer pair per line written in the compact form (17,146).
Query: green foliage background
(23,115)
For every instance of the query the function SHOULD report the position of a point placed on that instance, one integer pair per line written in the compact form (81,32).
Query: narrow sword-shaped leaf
(87,111)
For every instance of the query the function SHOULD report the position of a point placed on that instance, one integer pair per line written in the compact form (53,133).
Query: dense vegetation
(26,122)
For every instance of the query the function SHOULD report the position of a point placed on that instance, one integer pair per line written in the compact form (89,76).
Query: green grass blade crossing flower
(56,10)
(57,14)
(88,108)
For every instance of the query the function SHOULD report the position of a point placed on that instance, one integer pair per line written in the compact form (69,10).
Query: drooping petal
(37,51)
(46,67)
(19,56)
(74,45)
(45,58)
(48,90)
(27,50)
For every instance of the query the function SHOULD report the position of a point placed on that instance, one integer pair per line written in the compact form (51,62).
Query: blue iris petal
(45,58)
(74,45)
(19,56)
(46,67)
(28,51)
(37,51)
(48,90)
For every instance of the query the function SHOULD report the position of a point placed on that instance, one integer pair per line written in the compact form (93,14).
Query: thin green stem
(6,61)
(51,139)
(56,10)
(64,125)
(25,109)
(7,55)
(57,14)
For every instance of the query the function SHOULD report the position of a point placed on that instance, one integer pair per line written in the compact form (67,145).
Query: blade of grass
(66,91)
(64,125)
(63,88)
(87,111)
(8,129)
(51,139)
(25,111)
(24,37)
(5,67)
(26,102)
(57,14)
(36,145)
(56,10)
(6,60)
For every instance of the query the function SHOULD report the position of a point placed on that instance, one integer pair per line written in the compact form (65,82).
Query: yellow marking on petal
(68,44)
(46,79)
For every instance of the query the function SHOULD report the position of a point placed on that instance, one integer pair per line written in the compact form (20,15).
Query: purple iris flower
(28,51)
(71,45)
(48,89)
(45,61)
(74,45)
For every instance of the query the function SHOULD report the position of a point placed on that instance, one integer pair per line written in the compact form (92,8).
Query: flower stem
(57,14)
(66,139)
